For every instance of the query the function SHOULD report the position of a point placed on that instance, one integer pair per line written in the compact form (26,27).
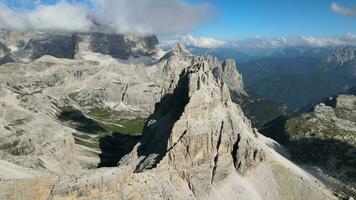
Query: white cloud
(115,16)
(189,40)
(204,42)
(59,17)
(261,42)
(270,43)
(343,10)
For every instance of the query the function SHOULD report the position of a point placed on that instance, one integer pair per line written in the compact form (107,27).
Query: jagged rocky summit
(196,144)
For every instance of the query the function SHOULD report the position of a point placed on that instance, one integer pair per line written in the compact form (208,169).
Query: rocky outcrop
(17,182)
(29,46)
(60,46)
(197,90)
(117,46)
(197,145)
(32,139)
(228,73)
(259,111)
(166,71)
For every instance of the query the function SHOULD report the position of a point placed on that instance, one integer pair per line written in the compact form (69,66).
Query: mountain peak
(228,73)
(341,55)
(199,132)
(178,48)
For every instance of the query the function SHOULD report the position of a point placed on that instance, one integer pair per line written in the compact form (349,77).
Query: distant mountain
(258,70)
(59,115)
(258,110)
(303,51)
(222,53)
(299,81)
(244,55)
(340,56)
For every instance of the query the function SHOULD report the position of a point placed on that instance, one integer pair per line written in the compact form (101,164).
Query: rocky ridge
(197,144)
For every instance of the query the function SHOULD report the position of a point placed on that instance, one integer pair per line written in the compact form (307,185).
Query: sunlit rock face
(199,132)
(196,143)
(227,72)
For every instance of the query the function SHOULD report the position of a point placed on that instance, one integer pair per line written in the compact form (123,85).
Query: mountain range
(98,116)
(295,76)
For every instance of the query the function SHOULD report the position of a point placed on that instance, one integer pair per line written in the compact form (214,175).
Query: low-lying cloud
(280,42)
(142,17)
(189,40)
(343,10)
(263,43)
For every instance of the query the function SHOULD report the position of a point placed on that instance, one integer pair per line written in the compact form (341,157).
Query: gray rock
(198,145)
(5,55)
(117,46)
(228,73)
(29,46)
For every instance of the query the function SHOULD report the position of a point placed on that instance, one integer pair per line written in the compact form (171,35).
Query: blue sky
(274,18)
(233,20)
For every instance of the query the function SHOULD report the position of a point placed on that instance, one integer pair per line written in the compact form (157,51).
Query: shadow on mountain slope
(77,120)
(158,127)
(275,129)
(114,147)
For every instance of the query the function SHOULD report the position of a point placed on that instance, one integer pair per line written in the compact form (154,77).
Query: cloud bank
(280,42)
(162,17)
(262,43)
(189,40)
(343,10)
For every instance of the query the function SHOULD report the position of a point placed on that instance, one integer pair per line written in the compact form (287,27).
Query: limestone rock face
(199,132)
(117,46)
(167,70)
(17,182)
(29,46)
(197,145)
(34,139)
(228,73)
(60,46)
